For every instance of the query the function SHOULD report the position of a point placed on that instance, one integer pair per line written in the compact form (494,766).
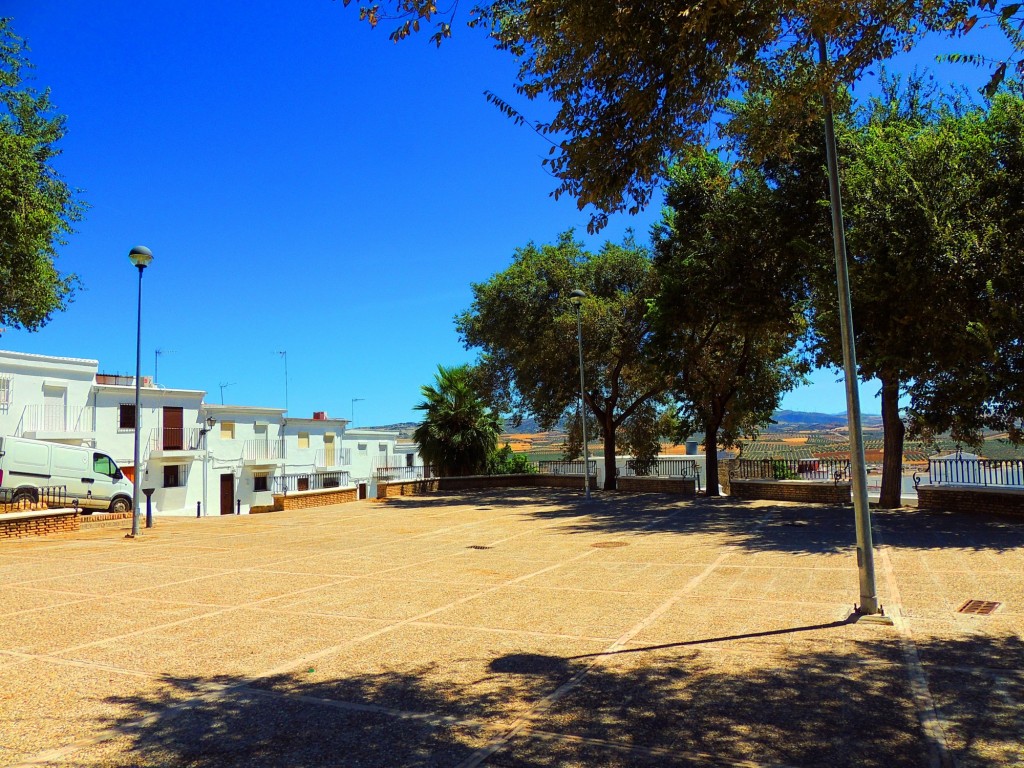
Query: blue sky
(305,185)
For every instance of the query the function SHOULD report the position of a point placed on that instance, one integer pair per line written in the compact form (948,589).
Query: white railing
(174,439)
(263,450)
(333,457)
(59,418)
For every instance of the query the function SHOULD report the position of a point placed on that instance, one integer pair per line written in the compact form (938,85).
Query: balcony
(333,457)
(58,422)
(263,452)
(175,443)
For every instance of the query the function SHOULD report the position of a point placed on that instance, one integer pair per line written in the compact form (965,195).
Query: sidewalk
(522,628)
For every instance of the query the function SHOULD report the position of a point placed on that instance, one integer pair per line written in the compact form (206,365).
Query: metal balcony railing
(566,467)
(263,450)
(175,439)
(333,457)
(59,418)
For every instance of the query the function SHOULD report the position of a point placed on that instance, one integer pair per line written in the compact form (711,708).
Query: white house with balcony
(196,457)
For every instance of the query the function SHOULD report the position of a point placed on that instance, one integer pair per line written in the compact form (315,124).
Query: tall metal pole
(140,256)
(861,509)
(577,299)
(284,354)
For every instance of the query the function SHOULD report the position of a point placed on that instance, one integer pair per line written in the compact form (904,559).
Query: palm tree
(459,430)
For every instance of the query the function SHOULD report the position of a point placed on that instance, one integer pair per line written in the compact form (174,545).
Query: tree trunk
(892,461)
(609,452)
(711,460)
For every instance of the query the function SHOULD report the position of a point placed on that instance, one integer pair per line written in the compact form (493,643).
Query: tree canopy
(636,83)
(731,302)
(525,327)
(37,208)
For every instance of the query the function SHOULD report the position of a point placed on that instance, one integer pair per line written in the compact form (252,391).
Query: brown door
(173,428)
(227,494)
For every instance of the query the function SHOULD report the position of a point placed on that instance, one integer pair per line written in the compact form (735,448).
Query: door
(227,494)
(329,449)
(173,428)
(362,490)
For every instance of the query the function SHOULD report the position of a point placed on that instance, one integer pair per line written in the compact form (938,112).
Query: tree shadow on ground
(668,706)
(783,527)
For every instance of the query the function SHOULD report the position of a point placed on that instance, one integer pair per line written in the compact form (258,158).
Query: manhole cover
(979,607)
(609,544)
(478,546)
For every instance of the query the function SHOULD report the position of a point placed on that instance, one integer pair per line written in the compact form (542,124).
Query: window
(103,465)
(382,447)
(361,447)
(126,416)
(259,481)
(303,439)
(303,483)
(5,390)
(227,430)
(174,475)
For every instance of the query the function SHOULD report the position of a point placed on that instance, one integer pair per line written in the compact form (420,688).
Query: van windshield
(103,465)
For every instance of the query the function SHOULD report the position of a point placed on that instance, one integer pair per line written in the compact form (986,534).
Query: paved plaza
(514,628)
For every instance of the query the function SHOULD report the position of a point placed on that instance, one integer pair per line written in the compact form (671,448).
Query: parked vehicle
(90,476)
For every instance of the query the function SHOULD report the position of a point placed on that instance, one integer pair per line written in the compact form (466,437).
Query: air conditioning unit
(147,381)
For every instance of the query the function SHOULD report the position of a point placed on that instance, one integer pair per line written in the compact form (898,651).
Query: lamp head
(210,421)
(140,256)
(576,297)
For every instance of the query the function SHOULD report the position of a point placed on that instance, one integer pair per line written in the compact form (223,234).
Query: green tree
(731,301)
(37,208)
(459,431)
(504,462)
(923,231)
(634,83)
(525,327)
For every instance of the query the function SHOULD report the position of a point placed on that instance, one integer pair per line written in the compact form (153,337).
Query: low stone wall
(395,488)
(971,499)
(15,525)
(108,520)
(307,499)
(675,485)
(807,491)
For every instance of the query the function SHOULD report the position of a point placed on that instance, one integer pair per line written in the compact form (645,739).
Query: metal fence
(54,496)
(405,473)
(311,481)
(959,471)
(565,467)
(793,469)
(686,468)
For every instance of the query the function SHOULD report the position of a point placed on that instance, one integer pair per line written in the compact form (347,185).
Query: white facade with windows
(197,457)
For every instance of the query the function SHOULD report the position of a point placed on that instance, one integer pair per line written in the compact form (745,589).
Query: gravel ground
(518,628)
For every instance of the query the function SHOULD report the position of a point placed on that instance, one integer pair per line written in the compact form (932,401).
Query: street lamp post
(140,257)
(204,431)
(576,299)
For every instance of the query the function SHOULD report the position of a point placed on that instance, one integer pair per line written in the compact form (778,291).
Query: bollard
(149,506)
(238,506)
(199,509)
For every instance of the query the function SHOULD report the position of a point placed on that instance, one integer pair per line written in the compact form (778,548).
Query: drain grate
(478,546)
(609,544)
(978,607)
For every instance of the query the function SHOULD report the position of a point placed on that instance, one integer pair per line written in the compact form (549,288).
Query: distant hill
(790,421)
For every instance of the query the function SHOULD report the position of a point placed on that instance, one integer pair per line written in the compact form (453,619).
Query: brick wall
(675,485)
(806,491)
(308,499)
(415,487)
(15,525)
(971,499)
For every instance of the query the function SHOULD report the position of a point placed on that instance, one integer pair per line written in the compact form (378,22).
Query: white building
(197,458)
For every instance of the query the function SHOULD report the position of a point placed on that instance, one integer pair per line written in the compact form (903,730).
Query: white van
(88,475)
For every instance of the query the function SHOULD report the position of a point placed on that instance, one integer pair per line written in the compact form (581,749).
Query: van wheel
(121,504)
(24,495)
